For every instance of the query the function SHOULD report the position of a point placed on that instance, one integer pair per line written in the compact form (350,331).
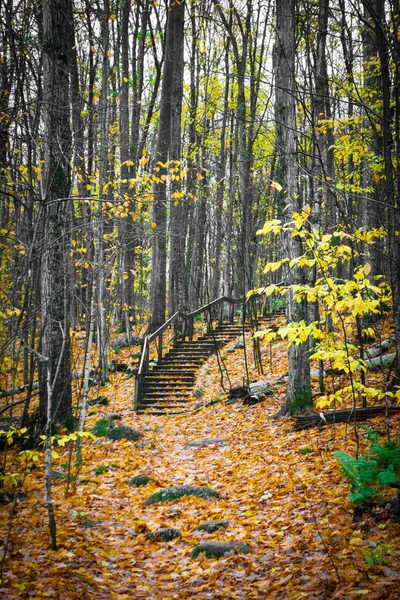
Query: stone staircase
(168,387)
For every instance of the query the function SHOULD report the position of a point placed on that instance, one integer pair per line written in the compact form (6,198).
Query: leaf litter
(289,506)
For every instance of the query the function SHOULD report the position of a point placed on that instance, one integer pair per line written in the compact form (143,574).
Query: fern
(373,470)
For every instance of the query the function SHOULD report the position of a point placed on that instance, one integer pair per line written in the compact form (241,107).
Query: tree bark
(298,391)
(171,76)
(56,182)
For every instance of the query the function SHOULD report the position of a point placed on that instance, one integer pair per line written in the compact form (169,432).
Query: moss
(178,491)
(219,549)
(122,432)
(165,534)
(102,427)
(140,480)
(302,401)
(211,526)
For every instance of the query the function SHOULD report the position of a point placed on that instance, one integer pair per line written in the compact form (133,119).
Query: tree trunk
(298,394)
(177,292)
(171,75)
(56,182)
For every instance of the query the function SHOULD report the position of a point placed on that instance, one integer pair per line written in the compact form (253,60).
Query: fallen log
(123,342)
(19,389)
(342,416)
(381,348)
(380,362)
(10,406)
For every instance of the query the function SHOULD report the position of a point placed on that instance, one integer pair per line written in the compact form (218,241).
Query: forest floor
(282,493)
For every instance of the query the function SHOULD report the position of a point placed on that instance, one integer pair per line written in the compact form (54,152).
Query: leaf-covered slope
(281,492)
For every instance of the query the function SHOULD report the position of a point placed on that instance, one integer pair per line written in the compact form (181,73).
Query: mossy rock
(101,400)
(178,491)
(89,523)
(122,432)
(165,534)
(140,480)
(145,444)
(204,442)
(211,526)
(219,549)
(102,427)
(114,417)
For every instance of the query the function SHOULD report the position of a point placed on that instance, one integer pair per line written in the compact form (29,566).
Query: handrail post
(184,327)
(136,392)
(221,312)
(191,328)
(160,339)
(231,312)
(208,317)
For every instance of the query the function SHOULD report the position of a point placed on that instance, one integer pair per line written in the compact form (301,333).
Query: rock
(165,534)
(178,491)
(205,442)
(260,387)
(139,480)
(239,345)
(122,432)
(211,526)
(219,549)
(145,444)
(391,573)
(114,417)
(101,400)
(89,523)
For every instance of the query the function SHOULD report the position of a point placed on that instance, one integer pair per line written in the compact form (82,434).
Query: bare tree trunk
(177,292)
(174,39)
(99,218)
(56,181)
(298,392)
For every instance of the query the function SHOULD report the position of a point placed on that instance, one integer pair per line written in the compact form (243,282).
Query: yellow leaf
(367,269)
(305,213)
(356,541)
(276,185)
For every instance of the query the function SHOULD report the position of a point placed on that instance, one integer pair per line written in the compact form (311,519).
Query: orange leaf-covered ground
(291,508)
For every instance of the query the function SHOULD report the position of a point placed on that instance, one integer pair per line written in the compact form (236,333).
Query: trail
(281,492)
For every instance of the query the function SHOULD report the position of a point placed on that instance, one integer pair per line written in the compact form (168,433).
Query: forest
(200,299)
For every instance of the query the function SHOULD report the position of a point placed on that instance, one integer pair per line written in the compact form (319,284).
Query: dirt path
(281,492)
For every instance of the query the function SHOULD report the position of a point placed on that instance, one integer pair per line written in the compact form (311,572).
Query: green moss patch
(219,549)
(211,526)
(165,534)
(140,480)
(178,491)
(122,432)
